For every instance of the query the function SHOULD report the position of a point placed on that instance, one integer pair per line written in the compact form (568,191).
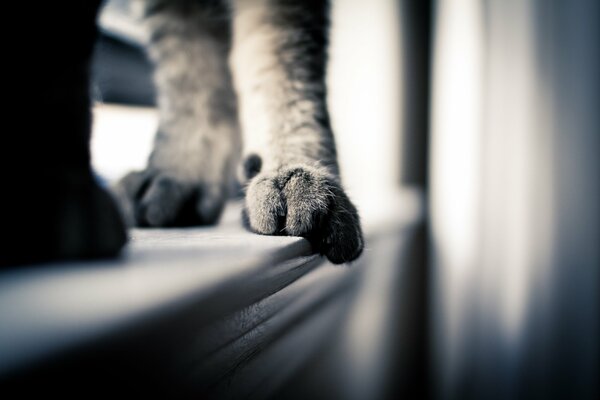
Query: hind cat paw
(153,198)
(76,219)
(305,201)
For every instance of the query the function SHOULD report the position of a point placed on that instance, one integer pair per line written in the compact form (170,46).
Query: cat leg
(188,173)
(278,62)
(52,207)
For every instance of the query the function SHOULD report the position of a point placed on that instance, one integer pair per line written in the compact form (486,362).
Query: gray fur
(277,62)
(198,139)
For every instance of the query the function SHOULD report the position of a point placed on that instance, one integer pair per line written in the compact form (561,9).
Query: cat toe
(341,239)
(162,202)
(264,206)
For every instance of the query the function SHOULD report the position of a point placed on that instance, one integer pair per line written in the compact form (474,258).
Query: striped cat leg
(278,62)
(187,177)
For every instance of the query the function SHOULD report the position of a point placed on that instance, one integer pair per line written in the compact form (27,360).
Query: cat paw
(305,201)
(76,220)
(153,198)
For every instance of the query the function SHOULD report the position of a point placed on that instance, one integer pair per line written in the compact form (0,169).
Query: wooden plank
(46,309)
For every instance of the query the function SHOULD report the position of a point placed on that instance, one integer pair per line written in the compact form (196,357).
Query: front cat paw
(157,199)
(305,201)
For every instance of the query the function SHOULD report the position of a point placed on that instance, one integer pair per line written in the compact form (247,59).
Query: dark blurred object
(55,209)
(121,71)
(415,17)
